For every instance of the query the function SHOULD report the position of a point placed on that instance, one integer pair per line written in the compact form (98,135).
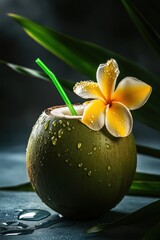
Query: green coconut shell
(78,172)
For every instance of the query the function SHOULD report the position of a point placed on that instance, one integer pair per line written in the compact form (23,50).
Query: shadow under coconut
(25,222)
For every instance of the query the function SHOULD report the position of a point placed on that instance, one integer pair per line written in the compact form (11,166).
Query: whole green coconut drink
(81,159)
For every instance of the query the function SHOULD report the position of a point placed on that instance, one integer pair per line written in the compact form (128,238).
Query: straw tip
(37,60)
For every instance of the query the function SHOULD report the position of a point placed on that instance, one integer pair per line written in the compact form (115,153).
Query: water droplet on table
(33,214)
(13,228)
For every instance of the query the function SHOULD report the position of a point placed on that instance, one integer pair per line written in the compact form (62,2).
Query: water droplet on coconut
(60,121)
(58,154)
(108,146)
(73,127)
(64,124)
(54,140)
(79,145)
(90,153)
(94,148)
(41,138)
(67,123)
(85,169)
(46,125)
(89,173)
(50,132)
(54,124)
(69,128)
(109,168)
(33,214)
(43,120)
(60,133)
(66,161)
(108,185)
(80,165)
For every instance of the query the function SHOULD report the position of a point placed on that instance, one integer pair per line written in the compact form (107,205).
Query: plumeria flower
(111,107)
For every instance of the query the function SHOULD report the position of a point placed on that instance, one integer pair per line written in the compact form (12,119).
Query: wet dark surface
(57,227)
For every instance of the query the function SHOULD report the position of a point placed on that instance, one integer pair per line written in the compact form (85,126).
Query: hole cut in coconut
(64,112)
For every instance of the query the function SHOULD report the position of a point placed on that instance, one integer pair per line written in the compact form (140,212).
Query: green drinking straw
(57,85)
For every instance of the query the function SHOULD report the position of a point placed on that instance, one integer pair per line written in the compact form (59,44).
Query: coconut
(78,172)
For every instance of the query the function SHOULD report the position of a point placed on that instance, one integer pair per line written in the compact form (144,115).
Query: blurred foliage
(152,209)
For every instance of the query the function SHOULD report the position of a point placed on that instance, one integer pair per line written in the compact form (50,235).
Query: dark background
(103,22)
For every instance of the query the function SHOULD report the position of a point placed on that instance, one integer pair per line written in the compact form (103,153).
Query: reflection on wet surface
(13,228)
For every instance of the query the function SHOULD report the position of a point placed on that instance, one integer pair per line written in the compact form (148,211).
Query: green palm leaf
(148,151)
(37,74)
(145,188)
(145,28)
(152,209)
